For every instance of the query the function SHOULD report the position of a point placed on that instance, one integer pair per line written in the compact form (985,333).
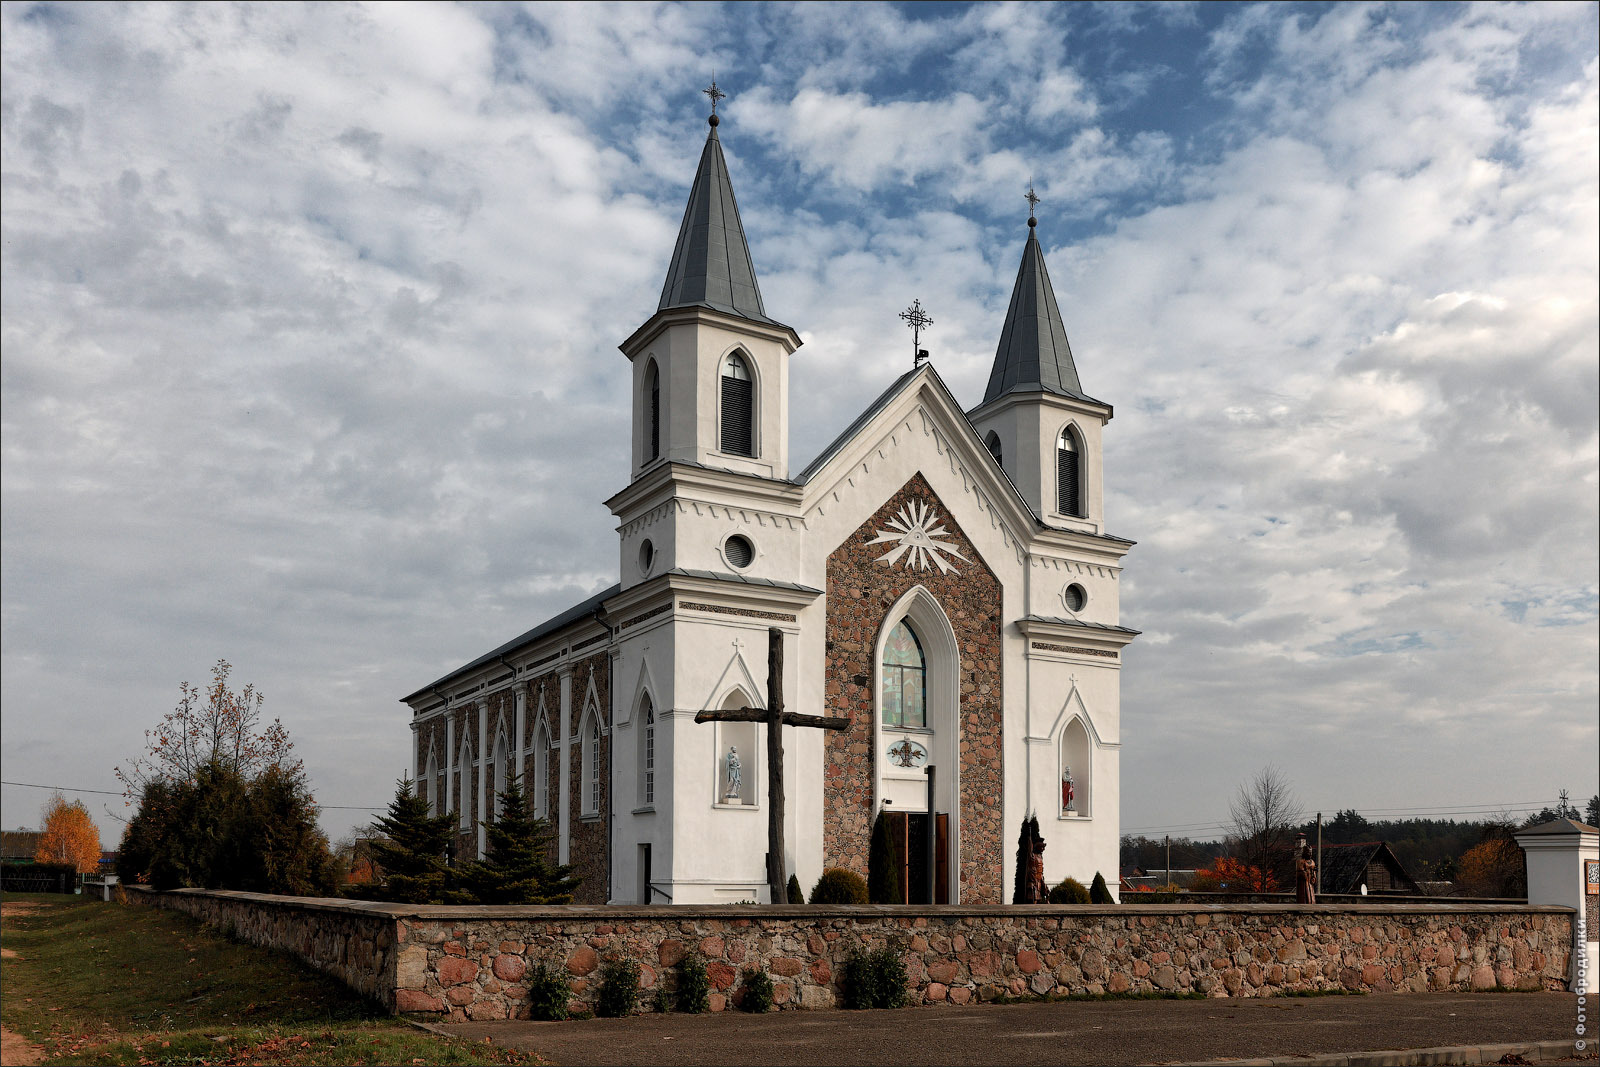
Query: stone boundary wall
(351,940)
(470,962)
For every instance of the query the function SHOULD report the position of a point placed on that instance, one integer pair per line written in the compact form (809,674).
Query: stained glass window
(905,679)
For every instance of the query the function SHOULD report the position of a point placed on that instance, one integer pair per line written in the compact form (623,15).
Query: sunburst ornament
(914,530)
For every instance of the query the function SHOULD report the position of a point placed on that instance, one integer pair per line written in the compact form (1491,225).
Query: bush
(619,988)
(547,993)
(796,896)
(1070,891)
(839,886)
(874,979)
(756,991)
(1098,892)
(693,995)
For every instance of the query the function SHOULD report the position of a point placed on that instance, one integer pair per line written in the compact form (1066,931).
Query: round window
(1075,597)
(647,556)
(739,551)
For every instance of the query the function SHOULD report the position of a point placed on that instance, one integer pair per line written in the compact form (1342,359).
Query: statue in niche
(735,774)
(1068,794)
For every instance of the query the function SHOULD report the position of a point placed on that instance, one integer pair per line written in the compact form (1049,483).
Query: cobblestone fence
(470,962)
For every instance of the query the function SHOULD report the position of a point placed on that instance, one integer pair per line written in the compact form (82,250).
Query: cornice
(683,316)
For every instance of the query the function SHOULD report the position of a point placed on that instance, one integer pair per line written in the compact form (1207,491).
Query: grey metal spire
(1033,355)
(711,264)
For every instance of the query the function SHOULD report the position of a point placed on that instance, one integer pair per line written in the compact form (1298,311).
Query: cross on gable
(775,718)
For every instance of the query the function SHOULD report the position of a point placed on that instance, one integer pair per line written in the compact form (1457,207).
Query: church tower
(1035,419)
(710,368)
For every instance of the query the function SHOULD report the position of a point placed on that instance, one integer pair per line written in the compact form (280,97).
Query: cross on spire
(918,320)
(714,93)
(1033,201)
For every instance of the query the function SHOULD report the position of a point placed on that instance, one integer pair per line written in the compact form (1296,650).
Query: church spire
(711,263)
(1033,355)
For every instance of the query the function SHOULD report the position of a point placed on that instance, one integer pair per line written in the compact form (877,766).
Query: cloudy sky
(311,314)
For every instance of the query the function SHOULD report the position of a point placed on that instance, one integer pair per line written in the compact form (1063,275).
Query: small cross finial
(1033,201)
(714,93)
(918,320)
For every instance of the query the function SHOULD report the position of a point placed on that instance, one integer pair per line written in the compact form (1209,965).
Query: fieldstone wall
(471,962)
(861,590)
(352,941)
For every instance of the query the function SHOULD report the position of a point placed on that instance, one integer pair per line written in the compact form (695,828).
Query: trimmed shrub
(839,886)
(547,993)
(874,979)
(756,991)
(619,988)
(1070,891)
(693,995)
(796,894)
(883,866)
(1098,892)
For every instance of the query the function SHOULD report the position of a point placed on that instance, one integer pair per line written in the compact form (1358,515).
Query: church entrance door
(909,833)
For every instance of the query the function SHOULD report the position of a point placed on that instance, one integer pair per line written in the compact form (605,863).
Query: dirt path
(14,1049)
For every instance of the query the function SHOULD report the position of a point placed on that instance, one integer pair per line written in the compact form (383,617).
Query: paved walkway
(1072,1032)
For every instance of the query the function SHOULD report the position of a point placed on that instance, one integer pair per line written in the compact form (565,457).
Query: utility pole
(1319,853)
(1169,859)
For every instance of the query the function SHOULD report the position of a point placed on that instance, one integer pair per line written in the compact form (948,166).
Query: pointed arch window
(591,767)
(465,778)
(652,417)
(1069,473)
(502,765)
(647,751)
(905,679)
(541,769)
(737,429)
(430,783)
(992,443)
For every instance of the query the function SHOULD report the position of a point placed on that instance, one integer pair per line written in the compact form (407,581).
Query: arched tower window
(647,751)
(992,443)
(738,424)
(652,415)
(905,679)
(1069,471)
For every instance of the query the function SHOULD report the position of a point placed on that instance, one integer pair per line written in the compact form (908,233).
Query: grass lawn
(97,983)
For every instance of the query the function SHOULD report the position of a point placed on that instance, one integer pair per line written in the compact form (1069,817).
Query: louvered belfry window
(654,450)
(738,408)
(1068,499)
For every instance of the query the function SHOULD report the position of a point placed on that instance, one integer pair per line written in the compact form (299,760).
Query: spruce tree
(411,855)
(883,866)
(516,870)
(1099,892)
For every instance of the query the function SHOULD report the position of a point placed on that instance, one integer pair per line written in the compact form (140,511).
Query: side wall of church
(861,590)
(589,851)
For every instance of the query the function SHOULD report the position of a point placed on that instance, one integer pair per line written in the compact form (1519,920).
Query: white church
(942,576)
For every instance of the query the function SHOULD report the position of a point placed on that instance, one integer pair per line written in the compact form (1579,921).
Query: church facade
(942,578)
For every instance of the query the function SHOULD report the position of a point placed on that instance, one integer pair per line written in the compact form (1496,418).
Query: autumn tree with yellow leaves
(70,836)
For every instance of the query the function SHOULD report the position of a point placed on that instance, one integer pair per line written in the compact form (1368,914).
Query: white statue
(735,776)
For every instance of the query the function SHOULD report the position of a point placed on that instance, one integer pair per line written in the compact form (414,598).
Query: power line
(1395,813)
(113,793)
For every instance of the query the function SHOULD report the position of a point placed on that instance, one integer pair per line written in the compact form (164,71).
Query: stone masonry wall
(469,963)
(861,589)
(343,939)
(589,846)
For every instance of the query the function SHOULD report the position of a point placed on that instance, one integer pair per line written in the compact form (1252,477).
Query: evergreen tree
(1099,892)
(883,865)
(1025,840)
(411,853)
(796,895)
(516,870)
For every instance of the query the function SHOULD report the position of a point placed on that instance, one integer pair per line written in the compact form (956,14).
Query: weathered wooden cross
(775,718)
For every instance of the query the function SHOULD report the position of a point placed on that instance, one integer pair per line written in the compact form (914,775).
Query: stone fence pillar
(1564,868)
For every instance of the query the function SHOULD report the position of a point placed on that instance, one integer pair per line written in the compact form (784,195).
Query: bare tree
(1263,816)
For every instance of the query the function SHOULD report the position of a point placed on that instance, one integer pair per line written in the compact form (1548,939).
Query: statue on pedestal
(1305,873)
(1067,793)
(735,776)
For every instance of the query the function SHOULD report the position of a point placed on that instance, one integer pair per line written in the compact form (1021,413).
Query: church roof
(711,263)
(1556,827)
(1034,355)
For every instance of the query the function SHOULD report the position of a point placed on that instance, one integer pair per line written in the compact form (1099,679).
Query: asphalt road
(1080,1032)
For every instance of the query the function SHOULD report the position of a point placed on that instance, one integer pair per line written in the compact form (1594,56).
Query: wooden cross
(776,719)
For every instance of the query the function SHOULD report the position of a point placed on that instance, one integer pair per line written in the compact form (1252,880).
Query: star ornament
(914,531)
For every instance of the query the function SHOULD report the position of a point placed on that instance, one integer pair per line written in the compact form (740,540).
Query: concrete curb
(1532,1051)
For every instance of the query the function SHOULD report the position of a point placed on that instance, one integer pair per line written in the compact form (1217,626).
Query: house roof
(711,264)
(1344,867)
(1034,355)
